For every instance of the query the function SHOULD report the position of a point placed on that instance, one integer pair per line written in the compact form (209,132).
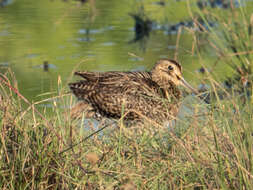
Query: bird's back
(96,83)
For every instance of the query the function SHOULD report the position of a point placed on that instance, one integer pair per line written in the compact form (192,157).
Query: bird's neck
(168,88)
(171,92)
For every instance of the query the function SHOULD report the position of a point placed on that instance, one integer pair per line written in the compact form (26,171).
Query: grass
(213,151)
(210,149)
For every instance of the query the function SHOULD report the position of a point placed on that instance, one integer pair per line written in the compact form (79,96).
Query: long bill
(187,85)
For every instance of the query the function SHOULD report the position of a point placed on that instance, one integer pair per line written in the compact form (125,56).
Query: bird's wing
(112,92)
(94,81)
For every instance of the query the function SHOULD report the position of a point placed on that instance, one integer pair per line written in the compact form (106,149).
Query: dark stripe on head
(172,61)
(176,63)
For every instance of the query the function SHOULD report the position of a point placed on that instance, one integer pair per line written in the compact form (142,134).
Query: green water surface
(96,35)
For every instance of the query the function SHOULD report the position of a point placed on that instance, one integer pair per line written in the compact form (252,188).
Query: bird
(136,96)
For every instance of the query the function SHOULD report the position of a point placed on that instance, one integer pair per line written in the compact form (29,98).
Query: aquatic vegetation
(231,42)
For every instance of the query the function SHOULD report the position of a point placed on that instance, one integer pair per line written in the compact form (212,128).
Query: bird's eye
(170,67)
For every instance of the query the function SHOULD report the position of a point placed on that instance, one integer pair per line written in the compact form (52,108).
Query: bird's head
(168,71)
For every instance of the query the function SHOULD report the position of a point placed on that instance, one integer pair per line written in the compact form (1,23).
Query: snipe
(150,95)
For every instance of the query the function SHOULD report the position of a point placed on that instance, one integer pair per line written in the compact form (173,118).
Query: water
(44,40)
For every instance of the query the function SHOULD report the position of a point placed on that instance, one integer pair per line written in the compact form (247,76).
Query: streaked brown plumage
(152,95)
